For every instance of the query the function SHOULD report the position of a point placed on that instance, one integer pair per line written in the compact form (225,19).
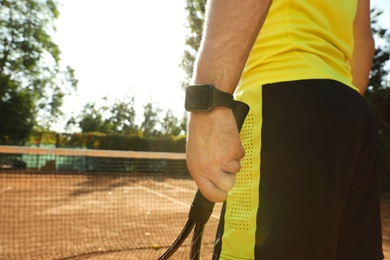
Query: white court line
(170,198)
(175,187)
(6,189)
(164,196)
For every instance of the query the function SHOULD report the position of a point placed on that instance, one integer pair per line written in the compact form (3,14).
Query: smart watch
(205,97)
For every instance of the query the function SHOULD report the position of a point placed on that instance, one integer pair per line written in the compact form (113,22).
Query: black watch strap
(222,99)
(205,97)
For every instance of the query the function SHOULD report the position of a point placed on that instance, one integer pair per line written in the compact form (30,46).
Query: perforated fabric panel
(241,202)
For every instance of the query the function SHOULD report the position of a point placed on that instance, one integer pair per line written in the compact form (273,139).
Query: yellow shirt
(303,39)
(300,39)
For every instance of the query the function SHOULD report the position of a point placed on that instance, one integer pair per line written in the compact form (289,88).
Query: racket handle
(201,208)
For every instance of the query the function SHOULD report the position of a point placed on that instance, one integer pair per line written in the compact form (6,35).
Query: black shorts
(318,192)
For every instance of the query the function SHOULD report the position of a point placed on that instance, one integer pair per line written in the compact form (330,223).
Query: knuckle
(227,183)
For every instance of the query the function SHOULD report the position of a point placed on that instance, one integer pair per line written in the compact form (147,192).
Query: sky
(122,48)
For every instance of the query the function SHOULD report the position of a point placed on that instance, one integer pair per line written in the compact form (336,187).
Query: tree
(379,72)
(378,96)
(31,76)
(15,113)
(122,119)
(116,118)
(91,119)
(148,126)
(170,125)
(195,20)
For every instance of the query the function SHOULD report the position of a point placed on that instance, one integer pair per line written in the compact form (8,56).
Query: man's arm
(364,48)
(213,144)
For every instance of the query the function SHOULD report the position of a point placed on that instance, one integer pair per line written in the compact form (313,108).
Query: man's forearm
(231,28)
(214,147)
(361,64)
(364,48)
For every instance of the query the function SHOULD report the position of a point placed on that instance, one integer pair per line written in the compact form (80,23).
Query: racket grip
(201,208)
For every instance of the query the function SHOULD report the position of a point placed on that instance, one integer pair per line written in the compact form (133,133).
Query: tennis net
(94,204)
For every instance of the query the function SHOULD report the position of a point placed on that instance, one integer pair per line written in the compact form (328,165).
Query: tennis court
(62,205)
(46,216)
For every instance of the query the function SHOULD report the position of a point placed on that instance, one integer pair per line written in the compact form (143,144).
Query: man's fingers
(215,187)
(213,153)
(210,191)
(232,167)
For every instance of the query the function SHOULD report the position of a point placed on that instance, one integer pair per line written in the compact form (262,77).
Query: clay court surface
(102,216)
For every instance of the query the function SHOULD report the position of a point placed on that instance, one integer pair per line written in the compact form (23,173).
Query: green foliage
(170,125)
(379,72)
(16,116)
(195,20)
(119,118)
(91,119)
(29,65)
(151,119)
(96,140)
(122,119)
(378,97)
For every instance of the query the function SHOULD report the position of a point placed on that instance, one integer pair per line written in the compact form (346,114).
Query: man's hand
(214,148)
(214,151)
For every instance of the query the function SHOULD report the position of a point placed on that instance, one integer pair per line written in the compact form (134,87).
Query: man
(307,187)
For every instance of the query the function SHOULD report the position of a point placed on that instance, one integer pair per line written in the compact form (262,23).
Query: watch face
(198,98)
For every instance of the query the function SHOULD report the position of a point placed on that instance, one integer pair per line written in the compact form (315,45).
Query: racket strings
(196,241)
(179,240)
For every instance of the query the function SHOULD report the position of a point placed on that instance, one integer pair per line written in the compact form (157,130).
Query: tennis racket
(201,208)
